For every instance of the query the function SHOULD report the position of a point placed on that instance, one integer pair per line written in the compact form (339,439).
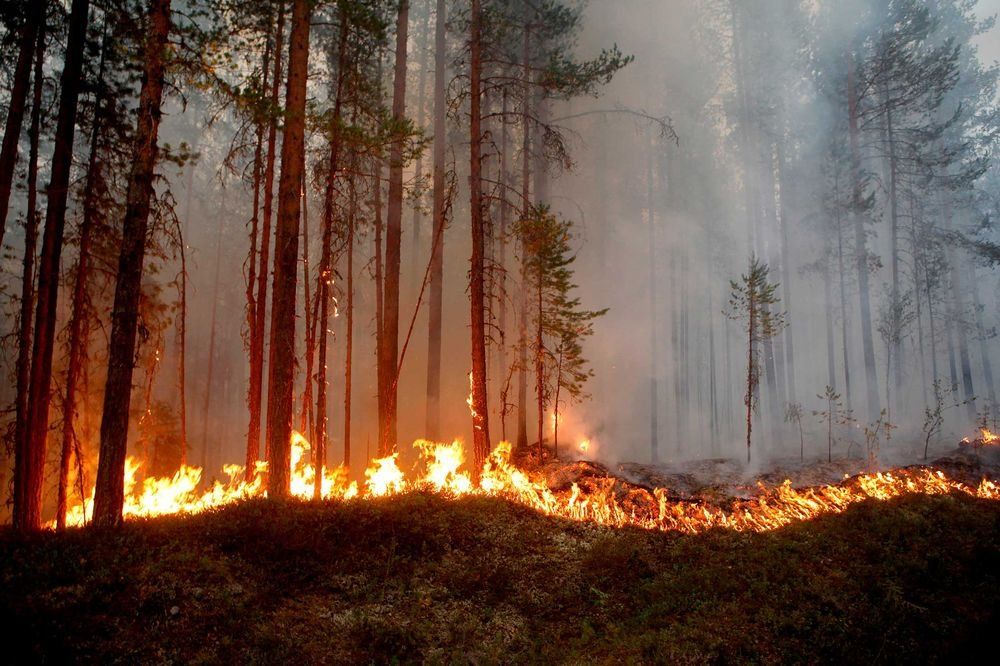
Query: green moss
(420,578)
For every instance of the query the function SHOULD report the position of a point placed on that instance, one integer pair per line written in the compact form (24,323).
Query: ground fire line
(441,472)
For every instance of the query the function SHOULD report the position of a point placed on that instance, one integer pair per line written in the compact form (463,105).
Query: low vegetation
(420,578)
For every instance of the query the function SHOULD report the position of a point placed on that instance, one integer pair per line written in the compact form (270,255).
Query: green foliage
(750,301)
(794,414)
(556,313)
(834,415)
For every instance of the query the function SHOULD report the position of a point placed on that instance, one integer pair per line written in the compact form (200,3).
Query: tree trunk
(379,303)
(310,308)
(79,326)
(255,335)
(841,273)
(21,431)
(349,337)
(480,404)
(393,238)
(751,384)
(33,26)
(897,345)
(29,468)
(435,303)
(420,120)
(281,375)
(504,178)
(522,342)
(981,337)
(257,345)
(210,365)
(109,491)
(325,279)
(539,367)
(654,430)
(861,250)
(786,273)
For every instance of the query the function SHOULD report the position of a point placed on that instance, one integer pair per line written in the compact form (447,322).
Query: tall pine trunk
(435,301)
(418,213)
(30,464)
(33,26)
(79,326)
(260,306)
(504,178)
(393,238)
(109,491)
(654,430)
(480,404)
(349,336)
(23,366)
(526,210)
(326,264)
(860,242)
(281,375)
(212,329)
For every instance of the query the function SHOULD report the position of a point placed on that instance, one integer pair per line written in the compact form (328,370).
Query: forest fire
(439,471)
(986,438)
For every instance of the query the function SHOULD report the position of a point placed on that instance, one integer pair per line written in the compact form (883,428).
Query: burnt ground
(421,578)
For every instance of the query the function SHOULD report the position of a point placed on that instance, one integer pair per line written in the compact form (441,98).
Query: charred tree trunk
(29,466)
(109,491)
(257,343)
(480,404)
(79,325)
(33,26)
(281,375)
(440,213)
(393,238)
(21,430)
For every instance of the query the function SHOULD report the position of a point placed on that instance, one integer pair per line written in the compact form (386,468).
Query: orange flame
(771,508)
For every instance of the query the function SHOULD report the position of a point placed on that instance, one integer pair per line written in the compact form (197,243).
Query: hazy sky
(989,44)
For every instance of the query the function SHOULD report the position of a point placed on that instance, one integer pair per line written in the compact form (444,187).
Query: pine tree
(751,301)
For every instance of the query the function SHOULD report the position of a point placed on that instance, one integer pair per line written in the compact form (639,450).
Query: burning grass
(419,577)
(603,500)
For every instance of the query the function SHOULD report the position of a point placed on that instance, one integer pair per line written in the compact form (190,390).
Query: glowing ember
(440,464)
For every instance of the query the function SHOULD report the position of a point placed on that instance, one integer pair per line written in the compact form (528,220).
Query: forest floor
(423,578)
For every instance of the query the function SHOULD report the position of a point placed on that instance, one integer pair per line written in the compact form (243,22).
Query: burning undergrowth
(579,490)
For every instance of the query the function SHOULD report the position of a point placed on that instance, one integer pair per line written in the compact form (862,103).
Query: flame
(602,502)
(988,437)
(584,446)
